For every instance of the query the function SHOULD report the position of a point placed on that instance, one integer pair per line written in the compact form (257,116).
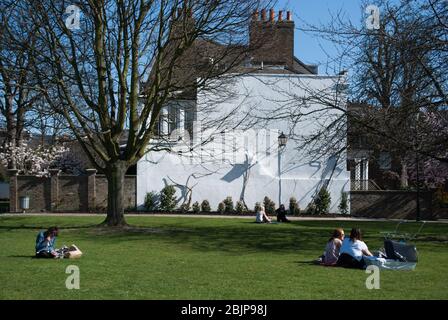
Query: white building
(249,163)
(212,161)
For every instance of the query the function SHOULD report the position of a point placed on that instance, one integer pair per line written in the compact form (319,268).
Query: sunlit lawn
(206,258)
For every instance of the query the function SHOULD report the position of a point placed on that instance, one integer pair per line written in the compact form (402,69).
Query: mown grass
(206,258)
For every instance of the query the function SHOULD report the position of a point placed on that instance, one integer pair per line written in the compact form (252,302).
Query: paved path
(202,216)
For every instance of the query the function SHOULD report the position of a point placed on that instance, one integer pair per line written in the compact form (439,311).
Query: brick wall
(391,204)
(66,193)
(130,183)
(73,193)
(38,189)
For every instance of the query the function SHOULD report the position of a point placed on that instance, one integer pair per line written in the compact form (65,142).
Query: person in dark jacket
(281,214)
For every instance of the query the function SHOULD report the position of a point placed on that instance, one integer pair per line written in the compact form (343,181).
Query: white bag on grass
(73,252)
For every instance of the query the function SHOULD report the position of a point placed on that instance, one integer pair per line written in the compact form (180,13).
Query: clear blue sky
(308,47)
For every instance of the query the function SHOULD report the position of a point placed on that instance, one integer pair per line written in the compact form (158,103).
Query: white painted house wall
(219,168)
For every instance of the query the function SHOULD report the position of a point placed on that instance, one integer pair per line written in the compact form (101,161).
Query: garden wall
(65,193)
(393,205)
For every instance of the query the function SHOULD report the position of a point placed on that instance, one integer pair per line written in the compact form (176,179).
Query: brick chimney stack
(272,42)
(255,15)
(263,14)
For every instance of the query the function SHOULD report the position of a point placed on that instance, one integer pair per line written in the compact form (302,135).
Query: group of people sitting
(262,216)
(339,251)
(345,252)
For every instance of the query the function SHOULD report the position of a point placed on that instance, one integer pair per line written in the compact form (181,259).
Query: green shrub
(310,209)
(151,201)
(168,198)
(221,207)
(322,201)
(185,207)
(293,207)
(257,206)
(205,206)
(228,203)
(240,208)
(343,206)
(196,207)
(269,205)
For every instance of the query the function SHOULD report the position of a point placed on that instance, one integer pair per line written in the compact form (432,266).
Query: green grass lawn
(206,258)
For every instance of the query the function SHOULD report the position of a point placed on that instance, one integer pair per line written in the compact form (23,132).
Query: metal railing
(363,185)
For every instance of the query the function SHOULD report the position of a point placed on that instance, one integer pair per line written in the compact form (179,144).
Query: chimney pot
(255,15)
(288,15)
(263,14)
(280,15)
(272,15)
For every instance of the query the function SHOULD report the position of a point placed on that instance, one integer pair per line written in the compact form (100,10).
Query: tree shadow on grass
(45,227)
(243,237)
(307,262)
(230,239)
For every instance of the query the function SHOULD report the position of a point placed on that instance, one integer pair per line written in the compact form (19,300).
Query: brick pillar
(54,189)
(91,190)
(13,190)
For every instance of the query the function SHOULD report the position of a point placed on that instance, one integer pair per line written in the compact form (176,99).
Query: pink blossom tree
(38,161)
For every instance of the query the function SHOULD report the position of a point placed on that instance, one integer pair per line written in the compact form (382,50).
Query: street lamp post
(417,217)
(418,189)
(282,140)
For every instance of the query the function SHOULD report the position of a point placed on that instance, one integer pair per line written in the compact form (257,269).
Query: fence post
(91,189)
(13,190)
(54,189)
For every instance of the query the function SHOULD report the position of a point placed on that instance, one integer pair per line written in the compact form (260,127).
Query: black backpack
(400,251)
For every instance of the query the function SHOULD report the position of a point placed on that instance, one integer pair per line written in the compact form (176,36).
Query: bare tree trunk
(115,174)
(246,176)
(404,175)
(11,137)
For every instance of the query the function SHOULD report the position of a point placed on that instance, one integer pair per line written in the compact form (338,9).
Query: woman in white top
(352,251)
(332,248)
(262,217)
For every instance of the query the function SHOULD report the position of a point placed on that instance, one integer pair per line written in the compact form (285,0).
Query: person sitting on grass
(262,217)
(281,214)
(333,247)
(352,251)
(45,242)
(331,253)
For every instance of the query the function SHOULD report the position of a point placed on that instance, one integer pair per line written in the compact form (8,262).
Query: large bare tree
(397,79)
(111,75)
(17,84)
